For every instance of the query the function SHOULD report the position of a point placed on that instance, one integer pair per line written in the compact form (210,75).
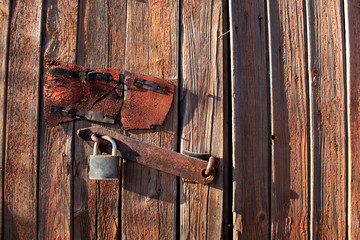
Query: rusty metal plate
(73,89)
(74,92)
(146,103)
(193,169)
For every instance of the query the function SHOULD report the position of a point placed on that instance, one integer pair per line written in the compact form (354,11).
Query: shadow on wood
(10,221)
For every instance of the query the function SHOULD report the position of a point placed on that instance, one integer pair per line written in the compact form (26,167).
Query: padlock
(104,167)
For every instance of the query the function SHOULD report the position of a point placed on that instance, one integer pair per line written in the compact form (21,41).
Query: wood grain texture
(108,216)
(148,208)
(352,19)
(250,124)
(4,37)
(92,52)
(20,199)
(55,176)
(108,222)
(100,45)
(202,59)
(327,119)
(289,120)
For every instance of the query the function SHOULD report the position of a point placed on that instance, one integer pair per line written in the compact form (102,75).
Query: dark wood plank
(148,196)
(352,20)
(55,177)
(250,119)
(327,119)
(20,221)
(202,112)
(101,44)
(290,139)
(85,192)
(4,37)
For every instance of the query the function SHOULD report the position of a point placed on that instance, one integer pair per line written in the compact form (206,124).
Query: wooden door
(268,87)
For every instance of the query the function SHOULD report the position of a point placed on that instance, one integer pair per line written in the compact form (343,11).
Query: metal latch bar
(82,114)
(149,85)
(193,169)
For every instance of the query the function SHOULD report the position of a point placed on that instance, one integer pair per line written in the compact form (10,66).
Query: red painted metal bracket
(191,168)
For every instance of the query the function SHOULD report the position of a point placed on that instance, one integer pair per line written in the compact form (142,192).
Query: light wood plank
(250,119)
(55,177)
(20,199)
(149,196)
(202,112)
(55,183)
(327,118)
(290,139)
(352,25)
(4,37)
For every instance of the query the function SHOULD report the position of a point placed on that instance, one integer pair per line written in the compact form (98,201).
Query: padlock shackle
(113,143)
(96,148)
(109,139)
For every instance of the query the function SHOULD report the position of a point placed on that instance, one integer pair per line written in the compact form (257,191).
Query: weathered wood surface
(202,113)
(100,43)
(55,175)
(109,218)
(4,37)
(291,131)
(250,119)
(148,208)
(289,120)
(20,193)
(327,119)
(352,30)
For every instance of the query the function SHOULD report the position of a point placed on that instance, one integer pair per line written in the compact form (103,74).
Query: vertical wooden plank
(352,25)
(327,118)
(20,198)
(289,120)
(92,49)
(85,192)
(108,208)
(101,44)
(55,176)
(202,112)
(4,37)
(148,208)
(250,109)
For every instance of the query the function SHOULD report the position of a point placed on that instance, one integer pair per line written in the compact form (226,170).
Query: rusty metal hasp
(191,168)
(133,100)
